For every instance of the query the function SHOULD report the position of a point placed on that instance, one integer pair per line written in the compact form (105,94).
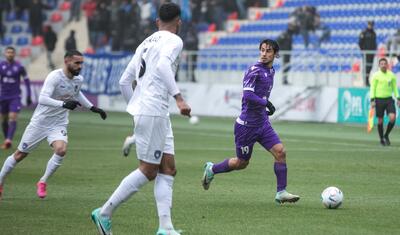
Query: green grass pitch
(241,202)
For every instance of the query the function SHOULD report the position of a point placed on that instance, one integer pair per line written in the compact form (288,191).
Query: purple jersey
(258,79)
(10,77)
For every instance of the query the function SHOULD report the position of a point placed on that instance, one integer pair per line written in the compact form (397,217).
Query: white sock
(52,165)
(163,195)
(8,166)
(129,186)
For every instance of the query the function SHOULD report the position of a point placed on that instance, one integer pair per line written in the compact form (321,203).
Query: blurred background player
(153,66)
(11,72)
(383,86)
(253,124)
(60,93)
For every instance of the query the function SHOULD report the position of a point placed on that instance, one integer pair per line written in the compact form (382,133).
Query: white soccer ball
(194,120)
(332,197)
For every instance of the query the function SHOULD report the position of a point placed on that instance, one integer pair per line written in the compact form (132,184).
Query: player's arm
(28,86)
(372,90)
(48,89)
(165,72)
(395,89)
(127,78)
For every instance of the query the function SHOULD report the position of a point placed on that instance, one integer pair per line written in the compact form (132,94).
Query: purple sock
(281,175)
(4,125)
(221,167)
(12,126)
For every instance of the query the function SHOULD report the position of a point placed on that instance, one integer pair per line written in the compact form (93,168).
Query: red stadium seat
(56,17)
(36,41)
(25,52)
(65,6)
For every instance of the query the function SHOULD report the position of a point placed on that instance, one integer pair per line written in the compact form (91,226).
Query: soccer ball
(332,197)
(194,120)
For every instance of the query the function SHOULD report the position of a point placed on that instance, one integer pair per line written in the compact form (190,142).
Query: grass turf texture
(242,202)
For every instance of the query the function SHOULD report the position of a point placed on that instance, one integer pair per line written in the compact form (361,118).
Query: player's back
(151,94)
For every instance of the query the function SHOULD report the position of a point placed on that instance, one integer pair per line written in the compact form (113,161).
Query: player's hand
(71,104)
(28,101)
(271,108)
(103,114)
(184,108)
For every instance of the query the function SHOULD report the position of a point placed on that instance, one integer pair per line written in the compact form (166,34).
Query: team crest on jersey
(63,132)
(24,145)
(157,154)
(15,68)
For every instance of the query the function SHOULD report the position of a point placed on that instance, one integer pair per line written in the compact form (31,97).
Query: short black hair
(169,11)
(272,43)
(10,48)
(71,53)
(383,59)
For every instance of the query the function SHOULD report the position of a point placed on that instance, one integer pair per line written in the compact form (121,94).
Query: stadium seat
(7,41)
(22,41)
(25,52)
(17,28)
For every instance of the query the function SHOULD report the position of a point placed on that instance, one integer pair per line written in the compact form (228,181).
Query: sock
(129,186)
(4,126)
(8,166)
(12,126)
(281,176)
(52,165)
(221,167)
(389,128)
(380,130)
(163,195)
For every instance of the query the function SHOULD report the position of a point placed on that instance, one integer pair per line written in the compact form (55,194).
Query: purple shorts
(246,137)
(10,106)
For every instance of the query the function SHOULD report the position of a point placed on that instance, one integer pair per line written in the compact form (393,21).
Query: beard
(74,72)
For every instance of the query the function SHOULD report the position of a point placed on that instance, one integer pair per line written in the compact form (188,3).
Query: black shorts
(383,104)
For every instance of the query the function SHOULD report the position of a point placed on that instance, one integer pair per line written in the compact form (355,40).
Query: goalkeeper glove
(271,108)
(70,104)
(103,114)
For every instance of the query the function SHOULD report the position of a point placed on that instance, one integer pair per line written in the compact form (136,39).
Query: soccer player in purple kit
(11,72)
(253,124)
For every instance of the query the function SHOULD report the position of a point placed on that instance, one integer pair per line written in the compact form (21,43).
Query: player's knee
(60,151)
(239,164)
(281,155)
(19,156)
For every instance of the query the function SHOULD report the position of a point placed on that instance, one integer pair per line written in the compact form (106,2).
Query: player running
(11,73)
(153,66)
(253,124)
(60,93)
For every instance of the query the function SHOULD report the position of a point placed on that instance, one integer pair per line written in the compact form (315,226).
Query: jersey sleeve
(47,90)
(84,101)
(23,73)
(172,49)
(129,75)
(250,78)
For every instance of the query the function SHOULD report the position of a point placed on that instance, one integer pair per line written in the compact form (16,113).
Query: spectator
(191,43)
(36,17)
(323,32)
(70,42)
(368,46)
(285,41)
(4,5)
(89,8)
(75,11)
(20,7)
(393,45)
(50,40)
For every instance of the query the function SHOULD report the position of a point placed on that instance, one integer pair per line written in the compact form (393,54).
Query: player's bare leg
(390,125)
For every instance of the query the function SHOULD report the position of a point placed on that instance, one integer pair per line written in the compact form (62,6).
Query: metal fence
(335,68)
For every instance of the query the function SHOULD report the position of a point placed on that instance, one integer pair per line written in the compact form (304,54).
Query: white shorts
(34,135)
(154,137)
